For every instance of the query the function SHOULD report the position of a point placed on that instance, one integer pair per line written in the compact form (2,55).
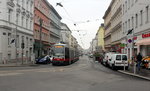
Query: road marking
(10,74)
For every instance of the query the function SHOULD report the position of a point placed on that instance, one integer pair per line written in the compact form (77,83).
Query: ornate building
(16,30)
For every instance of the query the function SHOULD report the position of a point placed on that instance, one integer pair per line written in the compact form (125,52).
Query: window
(17,41)
(31,42)
(129,23)
(128,4)
(123,28)
(31,5)
(9,38)
(132,22)
(9,15)
(17,18)
(22,21)
(31,24)
(27,42)
(147,14)
(27,23)
(123,8)
(136,18)
(141,14)
(126,26)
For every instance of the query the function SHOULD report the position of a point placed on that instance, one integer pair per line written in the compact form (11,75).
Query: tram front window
(59,51)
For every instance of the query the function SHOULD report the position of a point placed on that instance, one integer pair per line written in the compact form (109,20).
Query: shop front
(144,47)
(144,44)
(44,46)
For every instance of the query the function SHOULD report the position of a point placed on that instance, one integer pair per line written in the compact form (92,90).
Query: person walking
(139,60)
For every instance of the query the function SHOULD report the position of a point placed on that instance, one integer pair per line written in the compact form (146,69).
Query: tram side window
(66,52)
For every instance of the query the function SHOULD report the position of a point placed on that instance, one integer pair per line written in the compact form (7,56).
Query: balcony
(11,3)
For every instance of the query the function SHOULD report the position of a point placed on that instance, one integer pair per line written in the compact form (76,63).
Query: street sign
(130,40)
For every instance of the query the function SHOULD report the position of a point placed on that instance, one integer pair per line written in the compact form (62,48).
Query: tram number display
(58,46)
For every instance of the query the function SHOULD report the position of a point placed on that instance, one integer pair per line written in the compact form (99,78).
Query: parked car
(43,60)
(118,60)
(51,58)
(106,58)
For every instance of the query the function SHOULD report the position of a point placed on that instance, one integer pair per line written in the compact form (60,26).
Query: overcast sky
(86,14)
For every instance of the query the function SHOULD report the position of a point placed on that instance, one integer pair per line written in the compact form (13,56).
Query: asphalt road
(84,75)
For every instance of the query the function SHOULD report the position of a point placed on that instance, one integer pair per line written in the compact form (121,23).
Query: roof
(50,6)
(108,9)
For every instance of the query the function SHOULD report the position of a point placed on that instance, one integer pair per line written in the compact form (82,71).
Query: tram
(62,54)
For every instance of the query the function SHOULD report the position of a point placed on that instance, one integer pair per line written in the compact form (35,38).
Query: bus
(62,54)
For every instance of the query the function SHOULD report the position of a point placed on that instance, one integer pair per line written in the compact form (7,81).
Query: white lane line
(10,74)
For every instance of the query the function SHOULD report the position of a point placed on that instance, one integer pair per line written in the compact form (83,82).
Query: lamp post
(40,45)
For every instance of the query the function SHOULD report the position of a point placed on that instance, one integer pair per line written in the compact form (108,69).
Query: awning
(143,42)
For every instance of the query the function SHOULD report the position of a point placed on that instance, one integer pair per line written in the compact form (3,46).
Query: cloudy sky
(86,14)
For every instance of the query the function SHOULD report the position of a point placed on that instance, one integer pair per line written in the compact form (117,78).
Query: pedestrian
(139,60)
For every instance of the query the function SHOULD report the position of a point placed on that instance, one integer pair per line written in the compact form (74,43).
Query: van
(118,60)
(106,58)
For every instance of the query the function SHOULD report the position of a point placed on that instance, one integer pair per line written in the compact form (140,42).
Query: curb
(135,75)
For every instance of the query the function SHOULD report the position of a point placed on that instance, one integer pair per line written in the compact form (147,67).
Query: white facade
(116,12)
(65,34)
(136,16)
(94,45)
(16,23)
(55,25)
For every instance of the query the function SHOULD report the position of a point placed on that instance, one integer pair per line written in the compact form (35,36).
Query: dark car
(43,60)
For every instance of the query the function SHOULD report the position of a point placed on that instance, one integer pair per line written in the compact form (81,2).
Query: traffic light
(22,45)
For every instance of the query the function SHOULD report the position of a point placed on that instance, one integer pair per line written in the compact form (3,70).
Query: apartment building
(136,26)
(65,34)
(41,27)
(116,26)
(16,30)
(100,38)
(48,32)
(107,28)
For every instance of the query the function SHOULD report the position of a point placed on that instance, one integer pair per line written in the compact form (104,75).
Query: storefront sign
(135,38)
(145,35)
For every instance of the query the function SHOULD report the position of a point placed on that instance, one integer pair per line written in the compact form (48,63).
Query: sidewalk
(143,73)
(18,64)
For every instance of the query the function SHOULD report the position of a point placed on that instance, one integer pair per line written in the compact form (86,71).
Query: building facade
(107,28)
(41,32)
(55,26)
(116,26)
(48,33)
(65,34)
(16,30)
(136,19)
(100,39)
